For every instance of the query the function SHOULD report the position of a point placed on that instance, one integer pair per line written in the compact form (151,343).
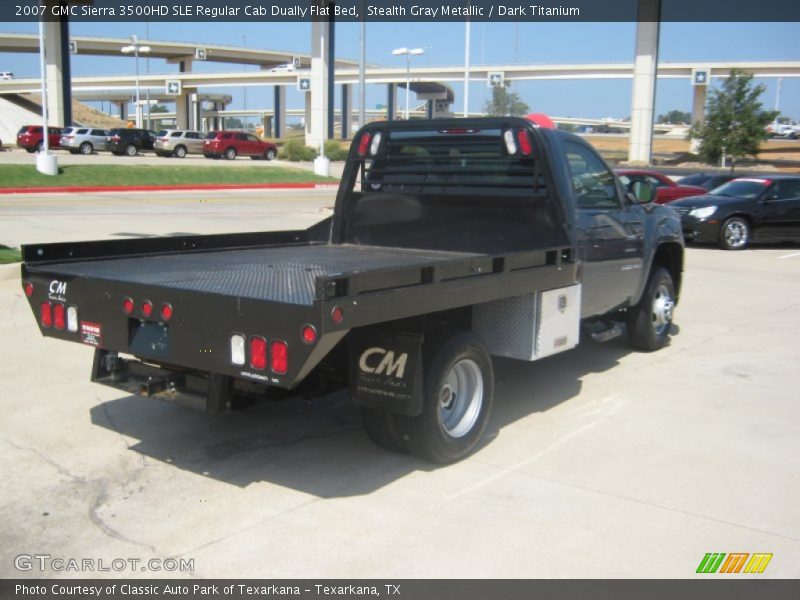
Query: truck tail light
(127,305)
(238,349)
(258,353)
(46,314)
(28,289)
(508,138)
(72,318)
(59,316)
(363,144)
(166,311)
(309,334)
(279,353)
(524,140)
(147,308)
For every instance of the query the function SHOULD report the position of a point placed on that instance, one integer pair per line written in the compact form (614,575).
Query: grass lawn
(9,255)
(122,175)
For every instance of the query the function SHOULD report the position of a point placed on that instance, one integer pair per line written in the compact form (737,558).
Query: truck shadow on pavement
(318,446)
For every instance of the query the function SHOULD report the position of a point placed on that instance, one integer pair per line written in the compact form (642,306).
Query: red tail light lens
(363,144)
(524,140)
(279,353)
(309,334)
(59,317)
(166,311)
(258,353)
(28,289)
(147,308)
(127,306)
(46,314)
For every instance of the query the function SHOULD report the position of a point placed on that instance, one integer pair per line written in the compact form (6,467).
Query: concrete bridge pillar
(644,81)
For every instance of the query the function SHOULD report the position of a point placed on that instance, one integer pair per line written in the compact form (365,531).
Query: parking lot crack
(62,470)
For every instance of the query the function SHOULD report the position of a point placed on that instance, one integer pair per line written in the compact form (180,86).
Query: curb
(156,188)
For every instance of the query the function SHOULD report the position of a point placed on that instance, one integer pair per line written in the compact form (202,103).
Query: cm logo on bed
(382,362)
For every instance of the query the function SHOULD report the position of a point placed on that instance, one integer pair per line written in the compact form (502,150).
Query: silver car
(83,139)
(178,142)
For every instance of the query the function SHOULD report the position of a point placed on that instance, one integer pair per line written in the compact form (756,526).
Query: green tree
(675,117)
(505,103)
(158,108)
(735,120)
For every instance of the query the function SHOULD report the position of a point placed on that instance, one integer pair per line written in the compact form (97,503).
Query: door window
(592,182)
(786,190)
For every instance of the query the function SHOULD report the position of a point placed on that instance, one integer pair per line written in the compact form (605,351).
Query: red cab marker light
(337,315)
(524,142)
(127,305)
(258,353)
(363,144)
(59,316)
(166,311)
(309,334)
(46,314)
(28,289)
(279,353)
(147,308)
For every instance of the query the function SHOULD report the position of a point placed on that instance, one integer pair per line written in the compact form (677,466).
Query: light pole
(408,54)
(136,48)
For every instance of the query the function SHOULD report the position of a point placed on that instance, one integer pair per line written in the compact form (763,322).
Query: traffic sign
(496,79)
(296,62)
(173,87)
(200,53)
(700,76)
(73,47)
(304,84)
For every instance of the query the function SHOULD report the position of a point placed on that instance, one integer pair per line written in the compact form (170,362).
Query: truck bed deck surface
(280,274)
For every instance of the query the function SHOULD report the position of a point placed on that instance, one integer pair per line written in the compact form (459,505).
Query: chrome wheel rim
(736,234)
(663,305)
(461,398)
(180,152)
(86,148)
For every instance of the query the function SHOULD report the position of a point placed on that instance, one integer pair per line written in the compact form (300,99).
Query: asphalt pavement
(600,462)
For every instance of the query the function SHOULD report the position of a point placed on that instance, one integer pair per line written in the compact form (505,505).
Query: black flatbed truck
(451,241)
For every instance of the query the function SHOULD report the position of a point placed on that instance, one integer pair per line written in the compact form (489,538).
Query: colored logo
(735,562)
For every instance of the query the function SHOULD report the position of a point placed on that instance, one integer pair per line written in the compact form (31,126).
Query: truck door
(780,211)
(610,233)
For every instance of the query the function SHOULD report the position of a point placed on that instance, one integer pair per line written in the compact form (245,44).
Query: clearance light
(147,308)
(127,306)
(237,349)
(258,353)
(46,314)
(337,315)
(59,316)
(376,144)
(363,144)
(28,289)
(72,318)
(508,138)
(166,311)
(309,334)
(279,352)
(524,142)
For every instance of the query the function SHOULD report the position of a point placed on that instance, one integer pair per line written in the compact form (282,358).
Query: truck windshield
(452,189)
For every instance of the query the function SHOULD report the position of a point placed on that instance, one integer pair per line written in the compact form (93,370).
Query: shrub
(335,151)
(295,150)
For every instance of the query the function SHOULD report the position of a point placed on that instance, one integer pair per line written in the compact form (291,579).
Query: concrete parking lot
(601,462)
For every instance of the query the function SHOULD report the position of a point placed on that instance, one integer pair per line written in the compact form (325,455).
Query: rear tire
(230,154)
(650,321)
(179,152)
(734,234)
(131,150)
(382,429)
(86,148)
(457,402)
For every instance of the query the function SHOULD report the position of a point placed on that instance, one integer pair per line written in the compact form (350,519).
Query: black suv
(130,141)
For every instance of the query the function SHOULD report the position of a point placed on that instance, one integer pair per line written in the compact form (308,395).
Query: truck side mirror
(642,191)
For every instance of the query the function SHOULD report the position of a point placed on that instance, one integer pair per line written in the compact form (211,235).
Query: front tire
(269,154)
(457,402)
(734,234)
(650,321)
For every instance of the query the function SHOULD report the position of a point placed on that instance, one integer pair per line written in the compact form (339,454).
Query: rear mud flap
(386,371)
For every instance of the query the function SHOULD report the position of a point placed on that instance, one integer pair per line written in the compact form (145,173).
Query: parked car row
(131,141)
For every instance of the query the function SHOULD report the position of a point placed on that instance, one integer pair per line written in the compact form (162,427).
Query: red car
(231,144)
(666,189)
(30,137)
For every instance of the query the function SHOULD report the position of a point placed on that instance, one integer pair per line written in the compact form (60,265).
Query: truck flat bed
(285,274)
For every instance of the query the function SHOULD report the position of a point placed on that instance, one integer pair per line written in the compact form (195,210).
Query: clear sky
(492,43)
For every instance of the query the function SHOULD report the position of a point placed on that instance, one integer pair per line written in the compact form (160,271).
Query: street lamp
(137,49)
(408,54)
